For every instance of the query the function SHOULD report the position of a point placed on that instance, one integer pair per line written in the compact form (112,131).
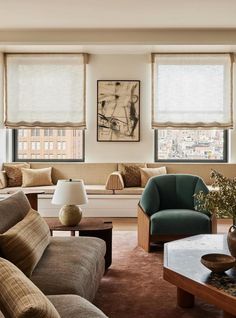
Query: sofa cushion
(14,174)
(180,221)
(12,210)
(71,265)
(36,177)
(19,297)
(74,306)
(147,173)
(24,243)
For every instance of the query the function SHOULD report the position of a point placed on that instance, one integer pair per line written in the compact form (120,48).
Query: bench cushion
(71,265)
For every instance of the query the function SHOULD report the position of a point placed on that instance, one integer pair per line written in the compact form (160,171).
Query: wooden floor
(130,224)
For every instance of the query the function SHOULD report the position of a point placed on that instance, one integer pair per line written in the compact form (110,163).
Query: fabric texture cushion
(25,242)
(3,179)
(71,265)
(131,174)
(19,297)
(147,173)
(180,222)
(14,173)
(12,210)
(74,306)
(36,177)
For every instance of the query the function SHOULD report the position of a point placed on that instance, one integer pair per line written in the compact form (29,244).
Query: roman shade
(45,90)
(192,91)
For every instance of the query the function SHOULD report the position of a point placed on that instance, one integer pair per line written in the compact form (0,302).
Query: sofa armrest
(3,179)
(115,181)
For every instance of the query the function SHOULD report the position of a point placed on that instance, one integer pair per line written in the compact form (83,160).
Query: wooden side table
(88,227)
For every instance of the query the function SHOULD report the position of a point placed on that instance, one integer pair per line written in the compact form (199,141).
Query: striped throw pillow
(24,243)
(19,297)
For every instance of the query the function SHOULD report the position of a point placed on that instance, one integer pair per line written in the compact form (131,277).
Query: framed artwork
(118,110)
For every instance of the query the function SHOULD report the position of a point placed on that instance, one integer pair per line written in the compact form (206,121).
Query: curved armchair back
(171,191)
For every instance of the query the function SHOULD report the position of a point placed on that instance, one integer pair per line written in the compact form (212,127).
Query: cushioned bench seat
(90,189)
(68,266)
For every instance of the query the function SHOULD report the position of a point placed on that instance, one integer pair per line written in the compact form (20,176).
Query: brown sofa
(70,268)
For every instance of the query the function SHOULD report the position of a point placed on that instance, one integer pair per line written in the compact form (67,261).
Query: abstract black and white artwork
(118,110)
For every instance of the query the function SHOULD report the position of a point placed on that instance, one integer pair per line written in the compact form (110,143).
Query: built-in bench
(109,199)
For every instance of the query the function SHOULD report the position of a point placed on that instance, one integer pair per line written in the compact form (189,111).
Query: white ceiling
(80,14)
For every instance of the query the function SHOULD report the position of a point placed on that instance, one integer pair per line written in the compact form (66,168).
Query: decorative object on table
(221,201)
(118,110)
(218,263)
(70,193)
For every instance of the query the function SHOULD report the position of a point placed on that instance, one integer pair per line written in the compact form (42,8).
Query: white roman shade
(45,90)
(192,91)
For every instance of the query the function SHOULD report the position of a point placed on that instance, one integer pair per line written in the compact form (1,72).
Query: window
(45,90)
(34,132)
(48,132)
(192,91)
(40,149)
(191,145)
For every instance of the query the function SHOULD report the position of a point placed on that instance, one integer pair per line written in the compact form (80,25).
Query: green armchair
(166,210)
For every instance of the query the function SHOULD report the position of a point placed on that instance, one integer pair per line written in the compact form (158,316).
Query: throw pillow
(36,177)
(131,174)
(24,243)
(14,173)
(147,173)
(19,297)
(3,179)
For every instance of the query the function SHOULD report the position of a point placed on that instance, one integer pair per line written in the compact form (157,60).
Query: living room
(125,270)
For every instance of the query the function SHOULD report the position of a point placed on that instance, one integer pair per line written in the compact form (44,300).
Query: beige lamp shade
(70,192)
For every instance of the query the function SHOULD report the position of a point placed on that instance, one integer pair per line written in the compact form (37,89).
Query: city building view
(49,144)
(190,144)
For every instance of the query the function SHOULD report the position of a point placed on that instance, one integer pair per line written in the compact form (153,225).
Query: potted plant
(221,201)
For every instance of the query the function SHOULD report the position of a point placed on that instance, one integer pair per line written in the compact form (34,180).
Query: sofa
(69,269)
(108,193)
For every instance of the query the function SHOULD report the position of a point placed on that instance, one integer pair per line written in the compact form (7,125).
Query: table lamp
(70,193)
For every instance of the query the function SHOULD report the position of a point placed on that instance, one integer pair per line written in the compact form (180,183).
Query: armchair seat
(179,222)
(166,210)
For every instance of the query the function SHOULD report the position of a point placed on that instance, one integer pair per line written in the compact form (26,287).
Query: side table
(87,227)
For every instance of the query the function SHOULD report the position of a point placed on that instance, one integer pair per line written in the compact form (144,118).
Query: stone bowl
(218,263)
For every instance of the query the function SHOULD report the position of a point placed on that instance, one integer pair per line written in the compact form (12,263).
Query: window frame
(225,151)
(15,151)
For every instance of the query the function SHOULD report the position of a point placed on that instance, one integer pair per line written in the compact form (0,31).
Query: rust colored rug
(133,286)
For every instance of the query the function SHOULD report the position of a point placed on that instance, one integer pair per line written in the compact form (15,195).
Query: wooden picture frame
(118,110)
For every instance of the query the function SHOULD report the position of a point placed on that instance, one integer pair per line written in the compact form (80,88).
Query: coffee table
(87,227)
(182,267)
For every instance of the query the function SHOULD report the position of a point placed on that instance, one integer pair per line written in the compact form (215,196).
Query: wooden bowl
(218,263)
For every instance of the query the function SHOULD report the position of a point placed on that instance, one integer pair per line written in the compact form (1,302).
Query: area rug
(133,286)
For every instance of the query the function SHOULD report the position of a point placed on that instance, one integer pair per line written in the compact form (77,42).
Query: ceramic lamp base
(70,215)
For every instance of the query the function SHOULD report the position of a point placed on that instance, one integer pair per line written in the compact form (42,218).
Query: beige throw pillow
(14,173)
(147,173)
(24,243)
(19,297)
(131,174)
(36,177)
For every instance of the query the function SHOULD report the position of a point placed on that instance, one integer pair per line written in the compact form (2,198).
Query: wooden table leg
(184,299)
(228,315)
(72,233)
